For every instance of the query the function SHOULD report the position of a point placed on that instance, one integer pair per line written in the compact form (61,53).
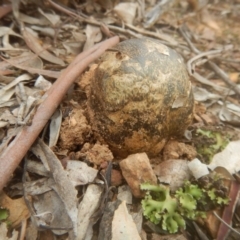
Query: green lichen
(161,209)
(211,143)
(171,210)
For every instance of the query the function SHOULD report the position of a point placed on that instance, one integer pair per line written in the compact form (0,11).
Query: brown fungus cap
(140,96)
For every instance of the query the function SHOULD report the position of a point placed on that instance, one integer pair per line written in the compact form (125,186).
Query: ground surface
(41,39)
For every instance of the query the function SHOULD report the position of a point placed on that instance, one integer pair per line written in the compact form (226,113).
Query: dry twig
(224,77)
(132,30)
(214,67)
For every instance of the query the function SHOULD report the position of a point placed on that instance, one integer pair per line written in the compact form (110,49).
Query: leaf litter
(65,179)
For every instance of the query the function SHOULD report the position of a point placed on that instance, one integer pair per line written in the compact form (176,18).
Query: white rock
(197,168)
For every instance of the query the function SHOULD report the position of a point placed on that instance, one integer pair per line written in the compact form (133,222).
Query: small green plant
(159,206)
(171,210)
(211,143)
(4,214)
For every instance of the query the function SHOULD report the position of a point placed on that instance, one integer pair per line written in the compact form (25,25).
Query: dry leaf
(208,20)
(42,83)
(212,223)
(39,186)
(48,31)
(79,36)
(8,31)
(50,212)
(3,124)
(80,173)
(7,91)
(31,20)
(126,11)
(48,73)
(32,232)
(6,95)
(125,194)
(202,95)
(229,211)
(229,113)
(86,209)
(8,117)
(106,4)
(4,233)
(52,18)
(208,34)
(73,47)
(33,43)
(17,208)
(168,237)
(63,187)
(37,167)
(15,8)
(123,226)
(26,59)
(5,73)
(234,76)
(5,9)
(93,34)
(173,172)
(152,16)
(55,126)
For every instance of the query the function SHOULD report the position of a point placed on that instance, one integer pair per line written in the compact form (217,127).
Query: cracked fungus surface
(140,96)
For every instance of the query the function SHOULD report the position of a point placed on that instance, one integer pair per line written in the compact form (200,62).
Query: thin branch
(23,229)
(169,40)
(190,44)
(229,226)
(205,81)
(71,13)
(215,68)
(203,54)
(16,150)
(225,77)
(201,234)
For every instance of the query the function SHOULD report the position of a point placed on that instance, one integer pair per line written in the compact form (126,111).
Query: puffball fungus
(140,96)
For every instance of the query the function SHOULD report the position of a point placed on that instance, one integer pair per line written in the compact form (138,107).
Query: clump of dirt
(99,154)
(178,150)
(74,130)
